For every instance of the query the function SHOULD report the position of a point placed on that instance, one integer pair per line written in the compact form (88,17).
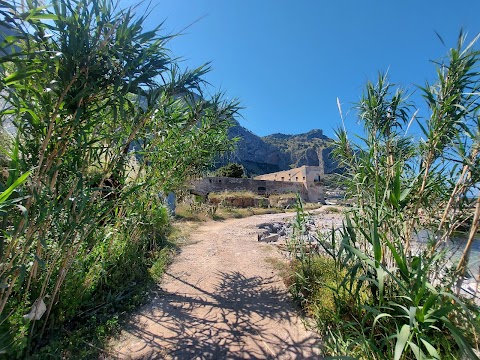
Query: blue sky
(288,61)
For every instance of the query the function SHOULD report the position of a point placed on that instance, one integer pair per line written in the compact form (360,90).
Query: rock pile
(272,232)
(314,226)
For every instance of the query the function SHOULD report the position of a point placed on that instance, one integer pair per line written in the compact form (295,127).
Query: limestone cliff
(311,148)
(276,152)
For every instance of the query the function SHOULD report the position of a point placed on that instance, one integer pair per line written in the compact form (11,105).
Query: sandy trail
(220,299)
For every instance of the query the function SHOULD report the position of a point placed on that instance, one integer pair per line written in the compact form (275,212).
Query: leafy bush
(159,266)
(103,116)
(316,288)
(233,170)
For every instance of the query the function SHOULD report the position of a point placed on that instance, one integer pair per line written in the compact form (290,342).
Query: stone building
(305,180)
(262,187)
(311,177)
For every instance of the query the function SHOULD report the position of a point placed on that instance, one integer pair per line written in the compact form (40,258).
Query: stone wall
(261,187)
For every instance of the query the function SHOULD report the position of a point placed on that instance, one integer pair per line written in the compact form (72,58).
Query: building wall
(315,193)
(306,180)
(218,184)
(303,174)
(310,176)
(293,175)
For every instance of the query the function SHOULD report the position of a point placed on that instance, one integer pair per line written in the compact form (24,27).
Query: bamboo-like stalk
(6,295)
(462,264)
(459,189)
(76,131)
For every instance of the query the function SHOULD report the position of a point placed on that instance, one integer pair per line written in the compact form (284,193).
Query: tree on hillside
(233,170)
(101,107)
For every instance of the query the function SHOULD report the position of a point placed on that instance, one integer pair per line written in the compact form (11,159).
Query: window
(304,178)
(296,178)
(283,178)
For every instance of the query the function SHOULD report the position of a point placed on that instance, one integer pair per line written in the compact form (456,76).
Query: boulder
(268,238)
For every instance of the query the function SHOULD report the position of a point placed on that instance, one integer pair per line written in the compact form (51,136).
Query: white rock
(269,238)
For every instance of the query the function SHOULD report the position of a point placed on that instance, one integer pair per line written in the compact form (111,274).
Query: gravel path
(220,299)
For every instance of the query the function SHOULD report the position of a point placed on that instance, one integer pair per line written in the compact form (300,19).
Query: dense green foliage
(106,122)
(233,170)
(397,298)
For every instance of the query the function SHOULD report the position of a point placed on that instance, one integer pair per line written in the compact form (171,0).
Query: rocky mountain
(276,152)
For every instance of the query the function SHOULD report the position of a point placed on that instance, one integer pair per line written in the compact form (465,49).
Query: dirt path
(220,299)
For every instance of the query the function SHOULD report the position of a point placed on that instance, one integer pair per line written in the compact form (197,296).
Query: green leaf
(419,355)
(405,193)
(381,280)
(402,339)
(444,310)
(6,194)
(34,117)
(396,183)
(463,344)
(10,39)
(412,311)
(361,255)
(43,16)
(431,350)
(19,75)
(378,317)
(400,261)
(21,276)
(377,247)
(40,262)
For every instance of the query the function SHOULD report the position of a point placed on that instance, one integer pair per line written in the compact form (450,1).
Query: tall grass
(395,298)
(106,121)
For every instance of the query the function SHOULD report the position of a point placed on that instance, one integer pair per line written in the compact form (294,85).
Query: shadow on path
(241,318)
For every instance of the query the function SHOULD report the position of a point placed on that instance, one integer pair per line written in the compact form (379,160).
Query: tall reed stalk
(405,299)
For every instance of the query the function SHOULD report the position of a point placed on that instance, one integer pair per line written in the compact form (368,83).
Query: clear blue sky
(288,61)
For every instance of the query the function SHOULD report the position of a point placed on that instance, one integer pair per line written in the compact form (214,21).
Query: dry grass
(283,196)
(285,269)
(312,206)
(219,206)
(181,230)
(184,213)
(233,194)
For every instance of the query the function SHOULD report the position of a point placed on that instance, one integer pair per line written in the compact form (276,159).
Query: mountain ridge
(265,154)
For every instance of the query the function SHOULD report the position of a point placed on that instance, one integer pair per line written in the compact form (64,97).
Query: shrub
(232,170)
(317,288)
(103,117)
